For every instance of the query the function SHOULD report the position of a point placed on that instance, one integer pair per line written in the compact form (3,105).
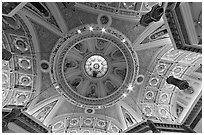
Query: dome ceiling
(90,67)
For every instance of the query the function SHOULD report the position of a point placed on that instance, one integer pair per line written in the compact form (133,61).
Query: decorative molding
(36,49)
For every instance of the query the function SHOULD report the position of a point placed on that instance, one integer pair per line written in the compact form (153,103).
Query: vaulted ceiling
(91,67)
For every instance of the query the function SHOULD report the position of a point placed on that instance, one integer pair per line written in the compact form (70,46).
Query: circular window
(93,68)
(45,66)
(104,20)
(89,111)
(140,79)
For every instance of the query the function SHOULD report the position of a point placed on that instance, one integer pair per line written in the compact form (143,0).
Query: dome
(93,68)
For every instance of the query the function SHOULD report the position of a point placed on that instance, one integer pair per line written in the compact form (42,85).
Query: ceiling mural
(92,68)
